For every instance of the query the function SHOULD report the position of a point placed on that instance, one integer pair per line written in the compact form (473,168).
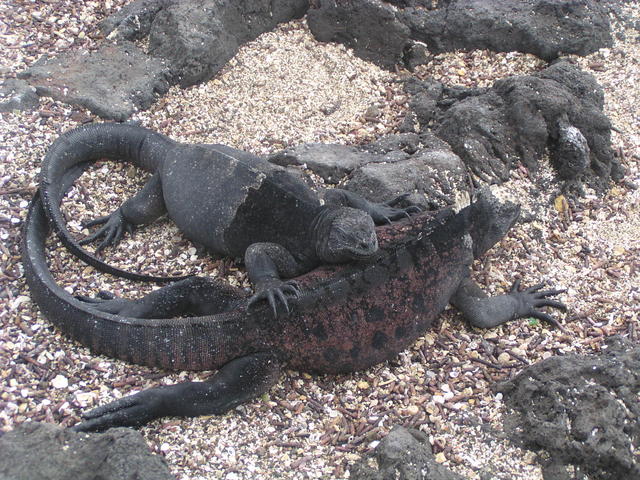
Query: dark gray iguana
(348,317)
(231,202)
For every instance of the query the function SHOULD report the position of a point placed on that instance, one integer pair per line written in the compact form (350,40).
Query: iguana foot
(132,411)
(102,295)
(238,381)
(387,212)
(487,312)
(275,289)
(109,303)
(381,213)
(113,229)
(530,299)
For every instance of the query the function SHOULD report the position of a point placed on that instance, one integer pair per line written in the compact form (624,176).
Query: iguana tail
(139,146)
(191,343)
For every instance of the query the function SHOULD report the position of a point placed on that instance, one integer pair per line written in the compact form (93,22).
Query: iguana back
(242,198)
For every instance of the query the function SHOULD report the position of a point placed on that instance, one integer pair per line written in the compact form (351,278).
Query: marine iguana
(348,317)
(231,202)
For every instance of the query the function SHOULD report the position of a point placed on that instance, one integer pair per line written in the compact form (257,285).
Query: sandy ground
(274,94)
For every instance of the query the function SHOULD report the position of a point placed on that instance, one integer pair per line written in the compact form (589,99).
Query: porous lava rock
(422,165)
(113,82)
(370,27)
(404,454)
(387,32)
(545,28)
(558,110)
(16,94)
(133,21)
(197,38)
(41,451)
(434,177)
(330,161)
(406,142)
(189,42)
(582,409)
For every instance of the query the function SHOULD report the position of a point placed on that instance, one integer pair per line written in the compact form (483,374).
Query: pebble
(60,381)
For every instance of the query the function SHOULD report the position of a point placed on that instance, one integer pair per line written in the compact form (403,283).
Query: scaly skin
(231,202)
(376,309)
(347,318)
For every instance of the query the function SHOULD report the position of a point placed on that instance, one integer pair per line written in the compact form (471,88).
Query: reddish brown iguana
(347,317)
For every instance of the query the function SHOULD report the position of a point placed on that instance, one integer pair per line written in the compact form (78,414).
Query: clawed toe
(101,297)
(94,236)
(534,297)
(292,287)
(397,200)
(551,303)
(88,299)
(535,288)
(113,228)
(95,221)
(545,317)
(282,293)
(550,293)
(413,209)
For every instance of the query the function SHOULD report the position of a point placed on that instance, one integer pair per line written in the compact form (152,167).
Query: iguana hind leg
(235,383)
(195,296)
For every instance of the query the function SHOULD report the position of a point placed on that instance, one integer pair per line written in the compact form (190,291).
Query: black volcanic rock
(582,409)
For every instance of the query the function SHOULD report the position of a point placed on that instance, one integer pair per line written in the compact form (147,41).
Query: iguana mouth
(360,256)
(363,249)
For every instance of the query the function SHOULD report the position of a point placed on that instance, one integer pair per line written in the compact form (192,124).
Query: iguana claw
(276,289)
(386,212)
(131,411)
(113,229)
(532,298)
(394,201)
(109,303)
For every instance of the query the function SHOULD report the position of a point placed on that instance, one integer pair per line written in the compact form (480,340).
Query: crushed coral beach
(283,89)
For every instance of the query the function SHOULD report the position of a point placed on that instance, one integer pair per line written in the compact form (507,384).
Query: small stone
(412,410)
(504,357)
(372,114)
(60,381)
(60,43)
(85,398)
(618,250)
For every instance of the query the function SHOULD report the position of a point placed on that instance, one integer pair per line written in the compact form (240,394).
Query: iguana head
(344,234)
(490,220)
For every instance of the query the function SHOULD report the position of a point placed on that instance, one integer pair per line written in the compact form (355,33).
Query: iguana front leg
(144,207)
(266,263)
(237,382)
(483,311)
(380,212)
